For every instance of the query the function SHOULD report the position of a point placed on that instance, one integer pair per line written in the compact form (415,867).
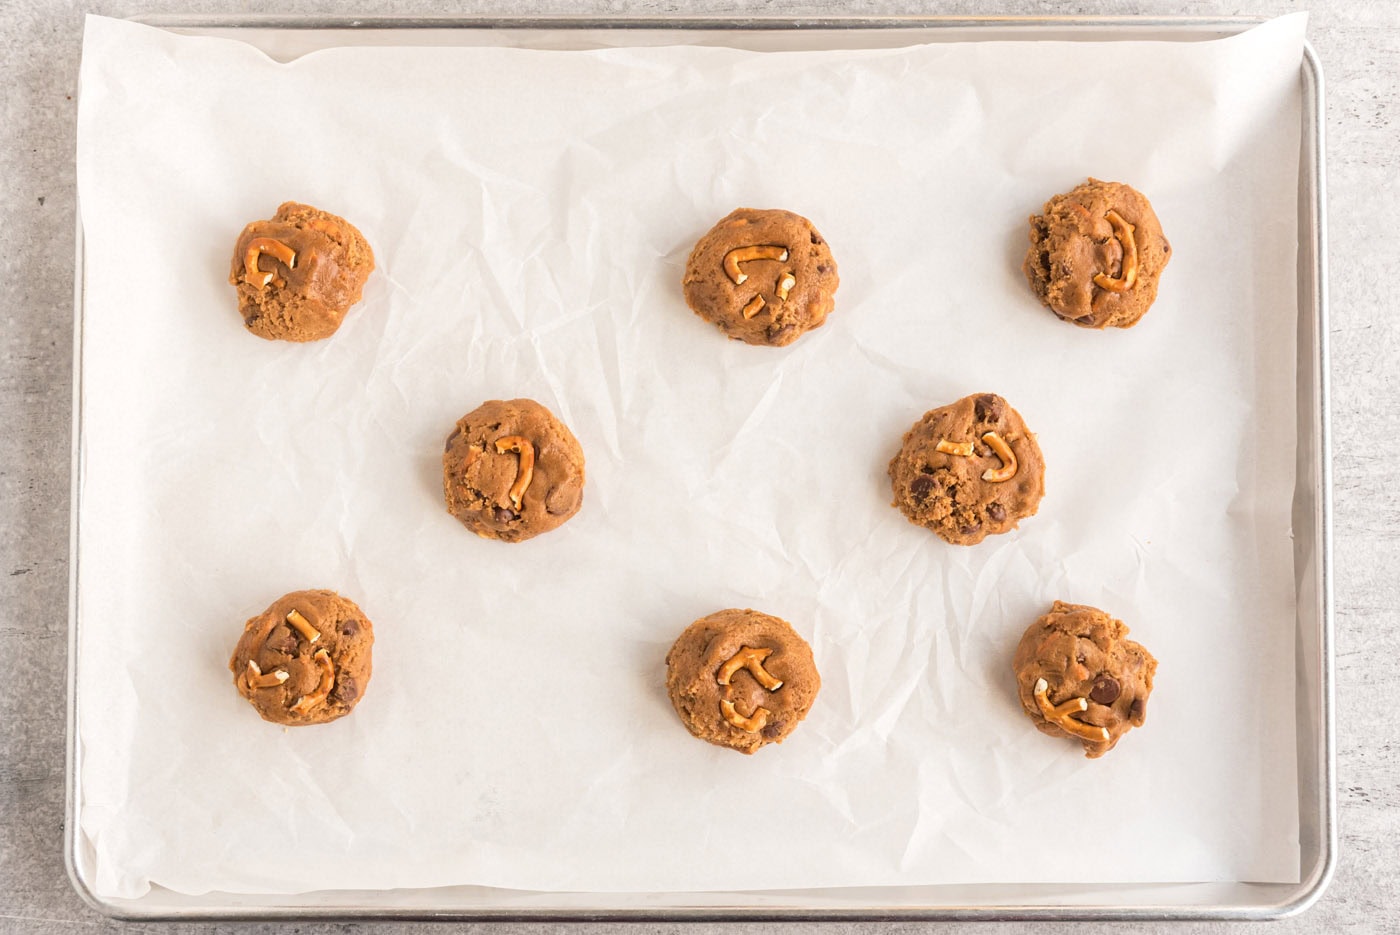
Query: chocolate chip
(773,729)
(988,408)
(1106,690)
(996,512)
(285,642)
(823,268)
(504,515)
(456,434)
(921,487)
(777,334)
(970,530)
(350,628)
(815,238)
(1136,710)
(346,689)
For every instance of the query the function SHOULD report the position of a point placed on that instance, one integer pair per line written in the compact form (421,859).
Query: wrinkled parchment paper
(531,213)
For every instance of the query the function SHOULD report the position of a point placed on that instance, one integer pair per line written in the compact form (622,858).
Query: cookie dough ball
(969,470)
(1096,255)
(512,470)
(765,277)
(1079,676)
(741,679)
(299,273)
(304,660)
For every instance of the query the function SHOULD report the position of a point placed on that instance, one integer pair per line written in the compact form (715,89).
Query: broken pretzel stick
(274,248)
(786,280)
(962,449)
(1124,232)
(525,471)
(738,255)
(1059,715)
(1007,456)
(753,724)
(303,626)
(306,703)
(751,659)
(257,679)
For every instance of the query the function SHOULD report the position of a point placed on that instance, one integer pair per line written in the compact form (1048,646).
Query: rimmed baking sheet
(1313,737)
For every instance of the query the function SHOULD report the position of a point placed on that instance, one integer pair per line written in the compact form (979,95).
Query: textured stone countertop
(1358,42)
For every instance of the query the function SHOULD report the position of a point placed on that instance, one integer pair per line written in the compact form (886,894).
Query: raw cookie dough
(511,470)
(1094,682)
(304,660)
(765,277)
(299,273)
(741,679)
(950,477)
(1096,254)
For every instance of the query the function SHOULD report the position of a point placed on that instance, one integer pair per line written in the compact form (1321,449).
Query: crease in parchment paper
(531,213)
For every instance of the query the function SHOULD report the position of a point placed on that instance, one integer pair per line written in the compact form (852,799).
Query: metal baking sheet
(286,38)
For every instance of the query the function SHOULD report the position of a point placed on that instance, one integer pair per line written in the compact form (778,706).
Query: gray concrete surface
(1359,43)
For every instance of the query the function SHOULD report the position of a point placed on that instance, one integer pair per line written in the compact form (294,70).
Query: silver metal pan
(288,37)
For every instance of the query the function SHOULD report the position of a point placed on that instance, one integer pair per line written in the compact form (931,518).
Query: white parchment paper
(531,213)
